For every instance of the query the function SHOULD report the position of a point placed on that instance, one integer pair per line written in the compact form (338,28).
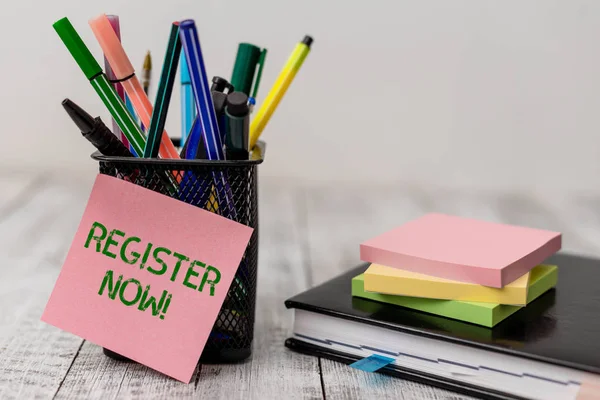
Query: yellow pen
(281,85)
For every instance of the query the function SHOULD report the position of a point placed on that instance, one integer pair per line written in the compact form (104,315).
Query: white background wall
(491,95)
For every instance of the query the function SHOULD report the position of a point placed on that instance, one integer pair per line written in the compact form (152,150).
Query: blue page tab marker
(372,363)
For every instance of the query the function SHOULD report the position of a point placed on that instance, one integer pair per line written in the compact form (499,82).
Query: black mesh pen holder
(228,188)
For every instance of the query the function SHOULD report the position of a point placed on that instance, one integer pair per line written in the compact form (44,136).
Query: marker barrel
(106,142)
(237,122)
(124,119)
(281,85)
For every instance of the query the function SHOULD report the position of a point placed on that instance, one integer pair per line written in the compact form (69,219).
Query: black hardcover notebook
(549,349)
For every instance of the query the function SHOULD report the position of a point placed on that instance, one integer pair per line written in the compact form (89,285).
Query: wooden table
(308,235)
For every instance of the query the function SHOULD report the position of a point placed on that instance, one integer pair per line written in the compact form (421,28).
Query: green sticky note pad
(542,278)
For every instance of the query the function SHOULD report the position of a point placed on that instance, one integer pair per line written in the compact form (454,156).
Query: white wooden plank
(271,372)
(34,357)
(95,376)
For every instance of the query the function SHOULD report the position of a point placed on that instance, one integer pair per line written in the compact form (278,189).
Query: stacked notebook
(474,271)
(546,349)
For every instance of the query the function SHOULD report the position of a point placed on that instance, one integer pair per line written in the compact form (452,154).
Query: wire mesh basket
(228,188)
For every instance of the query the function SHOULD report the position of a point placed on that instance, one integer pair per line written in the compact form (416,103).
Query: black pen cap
(219,101)
(83,120)
(307,40)
(220,84)
(94,130)
(237,104)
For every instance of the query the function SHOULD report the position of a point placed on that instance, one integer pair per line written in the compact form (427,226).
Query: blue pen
(188,107)
(206,111)
(195,136)
(191,184)
(204,104)
(131,110)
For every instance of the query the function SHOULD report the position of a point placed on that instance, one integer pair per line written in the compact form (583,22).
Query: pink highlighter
(125,74)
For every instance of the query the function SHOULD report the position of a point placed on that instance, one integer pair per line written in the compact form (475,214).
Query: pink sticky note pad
(462,249)
(173,344)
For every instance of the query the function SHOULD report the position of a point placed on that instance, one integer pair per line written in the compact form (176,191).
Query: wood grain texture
(95,376)
(34,357)
(308,234)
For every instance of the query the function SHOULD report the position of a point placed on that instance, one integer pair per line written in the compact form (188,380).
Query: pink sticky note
(168,334)
(462,249)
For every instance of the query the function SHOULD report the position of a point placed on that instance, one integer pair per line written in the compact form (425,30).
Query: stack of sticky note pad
(470,270)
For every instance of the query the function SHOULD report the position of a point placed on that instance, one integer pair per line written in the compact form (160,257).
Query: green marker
(244,69)
(103,87)
(163,95)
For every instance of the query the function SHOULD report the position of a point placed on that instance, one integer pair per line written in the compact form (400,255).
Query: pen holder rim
(259,158)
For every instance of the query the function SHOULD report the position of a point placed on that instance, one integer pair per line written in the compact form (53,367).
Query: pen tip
(148,61)
(307,40)
(70,106)
(220,84)
(83,120)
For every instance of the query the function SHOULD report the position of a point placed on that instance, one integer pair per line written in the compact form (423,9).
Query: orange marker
(124,72)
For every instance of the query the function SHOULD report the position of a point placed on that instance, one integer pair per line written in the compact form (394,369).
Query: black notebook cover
(560,327)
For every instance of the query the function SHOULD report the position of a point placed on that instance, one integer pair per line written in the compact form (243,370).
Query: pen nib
(147,61)
(83,120)
(307,40)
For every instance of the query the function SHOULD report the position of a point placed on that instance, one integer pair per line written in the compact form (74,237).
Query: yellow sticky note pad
(387,280)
